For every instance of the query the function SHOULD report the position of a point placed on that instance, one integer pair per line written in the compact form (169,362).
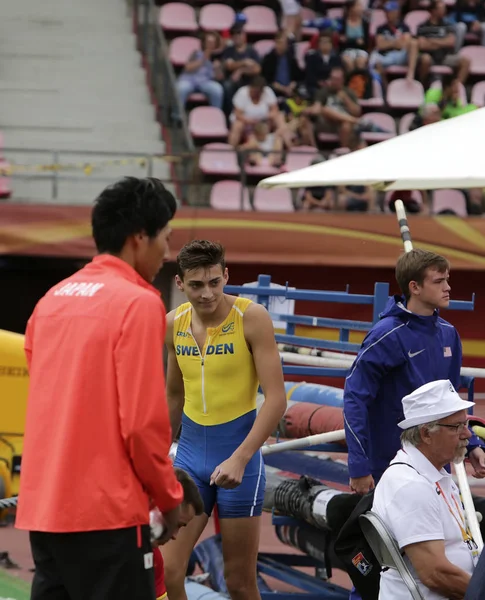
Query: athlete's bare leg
(240,543)
(176,555)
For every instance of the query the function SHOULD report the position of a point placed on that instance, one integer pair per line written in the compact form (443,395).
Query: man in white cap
(419,502)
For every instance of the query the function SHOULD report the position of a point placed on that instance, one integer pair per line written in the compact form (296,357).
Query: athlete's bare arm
(259,334)
(175,382)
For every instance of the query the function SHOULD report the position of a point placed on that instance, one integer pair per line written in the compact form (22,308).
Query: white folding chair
(386,550)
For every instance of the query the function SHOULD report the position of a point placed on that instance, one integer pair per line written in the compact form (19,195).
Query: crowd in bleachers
(277,87)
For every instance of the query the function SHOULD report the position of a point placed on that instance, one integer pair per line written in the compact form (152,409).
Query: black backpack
(355,554)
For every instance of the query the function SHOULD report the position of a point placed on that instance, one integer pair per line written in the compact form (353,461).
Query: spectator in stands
(292,18)
(428,114)
(280,68)
(319,198)
(202,73)
(356,198)
(469,17)
(241,64)
(475,201)
(436,41)
(252,104)
(448,98)
(354,36)
(298,114)
(319,63)
(263,145)
(336,108)
(395,45)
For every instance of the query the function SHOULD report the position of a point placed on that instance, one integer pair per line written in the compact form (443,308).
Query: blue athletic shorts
(203,447)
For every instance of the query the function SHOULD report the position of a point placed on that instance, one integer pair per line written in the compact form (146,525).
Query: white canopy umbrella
(448,154)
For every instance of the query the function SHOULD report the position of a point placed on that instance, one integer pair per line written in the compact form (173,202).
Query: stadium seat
(226,195)
(340,151)
(476,54)
(5,182)
(377,100)
(403,94)
(378,18)
(382,120)
(415,18)
(261,20)
(463,98)
(333,3)
(300,157)
(335,12)
(307,14)
(219,159)
(478,94)
(263,47)
(181,48)
(273,200)
(301,48)
(405,122)
(207,122)
(216,17)
(449,200)
(328,138)
(178,16)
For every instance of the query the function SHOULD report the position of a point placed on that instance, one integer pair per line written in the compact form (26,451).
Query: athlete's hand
(477,460)
(229,473)
(170,524)
(362,485)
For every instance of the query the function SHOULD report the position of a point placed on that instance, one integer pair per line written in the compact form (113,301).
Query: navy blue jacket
(399,354)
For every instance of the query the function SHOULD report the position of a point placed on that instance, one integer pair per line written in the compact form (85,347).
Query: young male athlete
(192,506)
(219,348)
(411,345)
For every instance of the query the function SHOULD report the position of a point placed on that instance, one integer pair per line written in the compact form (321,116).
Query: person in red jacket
(98,433)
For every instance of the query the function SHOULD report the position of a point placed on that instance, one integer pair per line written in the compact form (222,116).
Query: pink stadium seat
(219,159)
(405,123)
(377,99)
(463,98)
(476,54)
(263,47)
(301,48)
(5,182)
(449,199)
(415,18)
(262,170)
(308,14)
(335,13)
(273,200)
(378,18)
(226,195)
(478,94)
(340,151)
(261,20)
(333,3)
(207,122)
(403,94)
(329,139)
(441,70)
(181,49)
(384,121)
(216,17)
(178,16)
(300,157)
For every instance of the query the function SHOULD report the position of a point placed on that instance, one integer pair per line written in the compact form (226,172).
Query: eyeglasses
(459,427)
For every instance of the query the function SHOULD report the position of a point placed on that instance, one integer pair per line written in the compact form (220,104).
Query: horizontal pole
(289,294)
(322,322)
(317,343)
(308,441)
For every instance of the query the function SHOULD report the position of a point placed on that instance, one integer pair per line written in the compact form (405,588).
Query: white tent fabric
(445,155)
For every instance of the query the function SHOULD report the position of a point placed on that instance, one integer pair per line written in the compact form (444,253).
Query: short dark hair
(200,254)
(192,495)
(258,82)
(433,5)
(130,206)
(412,266)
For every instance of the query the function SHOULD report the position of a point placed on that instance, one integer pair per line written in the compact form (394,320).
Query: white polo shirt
(416,505)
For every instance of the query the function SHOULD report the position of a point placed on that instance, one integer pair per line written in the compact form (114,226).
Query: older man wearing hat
(419,502)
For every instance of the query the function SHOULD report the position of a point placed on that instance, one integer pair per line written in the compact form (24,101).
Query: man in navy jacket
(411,345)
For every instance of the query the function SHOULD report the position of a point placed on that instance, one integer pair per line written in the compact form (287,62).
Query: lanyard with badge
(460,519)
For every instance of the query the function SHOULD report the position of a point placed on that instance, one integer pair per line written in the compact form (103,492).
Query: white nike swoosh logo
(413,354)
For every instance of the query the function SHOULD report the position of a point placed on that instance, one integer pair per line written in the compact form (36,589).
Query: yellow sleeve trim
(162,597)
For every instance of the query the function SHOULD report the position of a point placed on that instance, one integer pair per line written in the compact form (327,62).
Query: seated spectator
(252,104)
(241,64)
(264,146)
(298,115)
(418,500)
(475,201)
(292,18)
(319,198)
(469,17)
(436,41)
(280,68)
(356,198)
(448,98)
(410,204)
(202,73)
(395,46)
(354,36)
(319,63)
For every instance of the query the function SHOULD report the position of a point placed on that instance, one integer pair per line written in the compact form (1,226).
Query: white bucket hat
(431,402)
